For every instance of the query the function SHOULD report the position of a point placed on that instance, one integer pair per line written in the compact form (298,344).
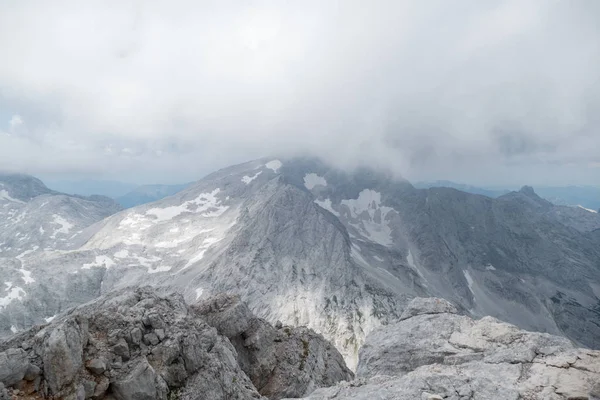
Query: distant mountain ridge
(34,217)
(341,252)
(126,194)
(585,196)
(88,187)
(148,193)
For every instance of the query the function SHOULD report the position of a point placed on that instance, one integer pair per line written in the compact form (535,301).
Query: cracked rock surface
(134,344)
(437,354)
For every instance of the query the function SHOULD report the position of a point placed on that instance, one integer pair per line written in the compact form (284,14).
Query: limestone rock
(13,366)
(287,362)
(91,353)
(3,392)
(427,305)
(96,366)
(448,356)
(62,355)
(141,383)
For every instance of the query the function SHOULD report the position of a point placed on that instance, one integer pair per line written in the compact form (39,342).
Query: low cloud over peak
(470,90)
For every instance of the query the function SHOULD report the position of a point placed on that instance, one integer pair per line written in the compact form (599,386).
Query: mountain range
(147,194)
(583,196)
(126,194)
(307,244)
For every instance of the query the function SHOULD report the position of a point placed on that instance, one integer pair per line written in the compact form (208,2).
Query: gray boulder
(13,366)
(141,383)
(3,392)
(427,305)
(63,354)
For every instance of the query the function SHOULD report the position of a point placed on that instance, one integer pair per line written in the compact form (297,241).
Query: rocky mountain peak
(22,187)
(135,344)
(528,190)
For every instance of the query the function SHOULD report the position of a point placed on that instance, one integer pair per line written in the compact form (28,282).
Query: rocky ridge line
(136,345)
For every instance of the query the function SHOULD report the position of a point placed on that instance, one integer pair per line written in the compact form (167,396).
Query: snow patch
(194,259)
(355,252)
(274,165)
(150,264)
(146,262)
(13,293)
(122,254)
(411,263)
(134,220)
(469,280)
(26,276)
(23,254)
(210,241)
(101,261)
(42,230)
(50,319)
(311,180)
(199,292)
(13,329)
(378,258)
(247,179)
(587,209)
(5,196)
(490,267)
(369,216)
(326,204)
(135,238)
(206,204)
(65,226)
(163,268)
(206,243)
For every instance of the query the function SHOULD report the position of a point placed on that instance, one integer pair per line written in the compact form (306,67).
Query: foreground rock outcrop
(433,353)
(281,361)
(136,345)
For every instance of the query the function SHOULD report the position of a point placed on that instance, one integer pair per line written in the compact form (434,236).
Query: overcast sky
(496,92)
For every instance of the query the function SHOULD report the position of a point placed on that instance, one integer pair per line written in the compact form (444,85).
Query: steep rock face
(137,345)
(292,261)
(281,362)
(437,354)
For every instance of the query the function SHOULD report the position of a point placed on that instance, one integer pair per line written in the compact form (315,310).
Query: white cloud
(15,121)
(423,87)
